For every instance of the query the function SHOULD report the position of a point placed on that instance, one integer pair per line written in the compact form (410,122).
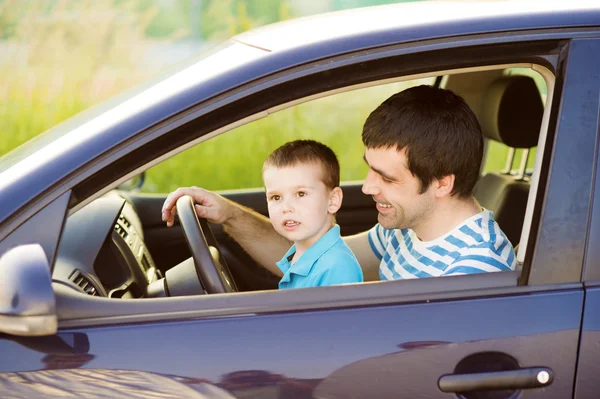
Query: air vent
(83,282)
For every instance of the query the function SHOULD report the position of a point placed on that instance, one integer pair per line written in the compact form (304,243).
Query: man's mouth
(383,205)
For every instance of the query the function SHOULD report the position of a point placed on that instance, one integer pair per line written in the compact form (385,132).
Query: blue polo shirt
(328,261)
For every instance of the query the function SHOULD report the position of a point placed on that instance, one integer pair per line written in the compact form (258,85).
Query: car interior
(116,245)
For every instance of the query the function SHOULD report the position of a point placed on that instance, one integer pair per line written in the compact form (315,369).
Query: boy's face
(301,207)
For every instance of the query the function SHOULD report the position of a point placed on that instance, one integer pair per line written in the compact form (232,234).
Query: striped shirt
(476,246)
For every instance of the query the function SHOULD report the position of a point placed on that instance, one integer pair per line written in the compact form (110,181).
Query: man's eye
(385,180)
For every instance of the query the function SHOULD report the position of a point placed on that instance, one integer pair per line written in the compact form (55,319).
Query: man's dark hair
(440,132)
(304,152)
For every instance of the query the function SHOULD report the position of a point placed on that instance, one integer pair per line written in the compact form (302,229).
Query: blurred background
(58,57)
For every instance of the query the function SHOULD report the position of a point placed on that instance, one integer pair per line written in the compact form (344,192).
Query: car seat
(511,114)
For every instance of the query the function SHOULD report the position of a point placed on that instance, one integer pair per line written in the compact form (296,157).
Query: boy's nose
(287,207)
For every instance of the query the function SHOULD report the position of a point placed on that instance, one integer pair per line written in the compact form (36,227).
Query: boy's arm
(360,246)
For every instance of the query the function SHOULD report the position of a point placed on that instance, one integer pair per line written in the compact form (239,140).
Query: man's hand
(208,205)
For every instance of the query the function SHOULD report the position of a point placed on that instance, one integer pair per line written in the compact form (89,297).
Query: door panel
(397,351)
(589,350)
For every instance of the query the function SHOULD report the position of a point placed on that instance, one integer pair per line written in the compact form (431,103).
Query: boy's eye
(301,194)
(275,198)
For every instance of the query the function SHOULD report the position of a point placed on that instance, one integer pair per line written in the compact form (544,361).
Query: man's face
(299,202)
(395,190)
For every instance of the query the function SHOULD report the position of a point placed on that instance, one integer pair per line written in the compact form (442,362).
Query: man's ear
(444,186)
(335,200)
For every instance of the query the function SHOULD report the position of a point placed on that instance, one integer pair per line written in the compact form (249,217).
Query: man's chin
(386,222)
(390,223)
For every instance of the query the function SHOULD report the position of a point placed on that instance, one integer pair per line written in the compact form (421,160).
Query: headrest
(512,111)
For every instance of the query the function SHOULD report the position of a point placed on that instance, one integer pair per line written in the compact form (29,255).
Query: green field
(232,160)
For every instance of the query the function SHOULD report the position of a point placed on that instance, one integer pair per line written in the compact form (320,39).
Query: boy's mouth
(290,224)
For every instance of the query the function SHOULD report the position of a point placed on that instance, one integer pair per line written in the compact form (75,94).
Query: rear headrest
(512,111)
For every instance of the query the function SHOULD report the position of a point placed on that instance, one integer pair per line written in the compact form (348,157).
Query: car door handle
(526,378)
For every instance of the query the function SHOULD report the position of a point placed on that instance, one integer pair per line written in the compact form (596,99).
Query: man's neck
(448,214)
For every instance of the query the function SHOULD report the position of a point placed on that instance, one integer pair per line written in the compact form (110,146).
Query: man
(424,149)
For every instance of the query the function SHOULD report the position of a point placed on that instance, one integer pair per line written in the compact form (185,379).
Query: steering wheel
(211,267)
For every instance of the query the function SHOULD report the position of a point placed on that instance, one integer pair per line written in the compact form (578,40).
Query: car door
(429,338)
(585,386)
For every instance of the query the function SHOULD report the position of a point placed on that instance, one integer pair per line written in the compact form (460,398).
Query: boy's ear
(444,186)
(335,200)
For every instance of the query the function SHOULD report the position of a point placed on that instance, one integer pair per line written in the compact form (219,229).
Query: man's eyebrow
(379,172)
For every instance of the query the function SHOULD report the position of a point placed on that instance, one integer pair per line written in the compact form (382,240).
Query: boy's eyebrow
(379,172)
(293,188)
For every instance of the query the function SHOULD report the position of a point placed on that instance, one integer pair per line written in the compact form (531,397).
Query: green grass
(63,57)
(25,112)
(234,160)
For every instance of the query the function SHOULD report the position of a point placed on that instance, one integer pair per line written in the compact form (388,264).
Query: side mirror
(27,303)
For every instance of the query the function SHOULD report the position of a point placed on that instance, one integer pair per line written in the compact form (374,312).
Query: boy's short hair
(440,132)
(306,152)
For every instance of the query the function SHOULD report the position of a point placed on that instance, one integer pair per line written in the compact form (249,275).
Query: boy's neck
(303,246)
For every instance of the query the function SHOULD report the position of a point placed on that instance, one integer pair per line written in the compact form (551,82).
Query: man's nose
(370,187)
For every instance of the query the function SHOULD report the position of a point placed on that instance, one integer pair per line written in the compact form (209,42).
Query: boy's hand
(207,204)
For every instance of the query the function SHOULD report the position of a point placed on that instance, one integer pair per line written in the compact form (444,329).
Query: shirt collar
(442,238)
(312,254)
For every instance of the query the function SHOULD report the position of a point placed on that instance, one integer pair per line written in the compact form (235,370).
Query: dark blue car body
(409,339)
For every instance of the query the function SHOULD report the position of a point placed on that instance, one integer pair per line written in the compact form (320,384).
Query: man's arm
(250,229)
(255,233)
(359,244)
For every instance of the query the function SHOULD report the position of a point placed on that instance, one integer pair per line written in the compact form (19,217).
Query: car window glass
(234,159)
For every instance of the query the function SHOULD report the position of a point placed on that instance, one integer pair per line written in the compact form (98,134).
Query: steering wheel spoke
(211,266)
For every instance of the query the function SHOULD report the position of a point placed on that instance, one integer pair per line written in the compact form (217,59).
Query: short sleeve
(342,272)
(378,238)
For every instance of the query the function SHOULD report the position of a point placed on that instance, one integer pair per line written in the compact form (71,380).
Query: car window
(234,160)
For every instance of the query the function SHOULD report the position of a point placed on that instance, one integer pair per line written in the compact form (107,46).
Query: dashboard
(102,251)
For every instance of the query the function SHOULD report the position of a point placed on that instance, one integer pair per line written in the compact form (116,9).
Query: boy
(302,181)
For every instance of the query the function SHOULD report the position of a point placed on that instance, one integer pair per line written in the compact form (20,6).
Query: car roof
(253,55)
(405,18)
